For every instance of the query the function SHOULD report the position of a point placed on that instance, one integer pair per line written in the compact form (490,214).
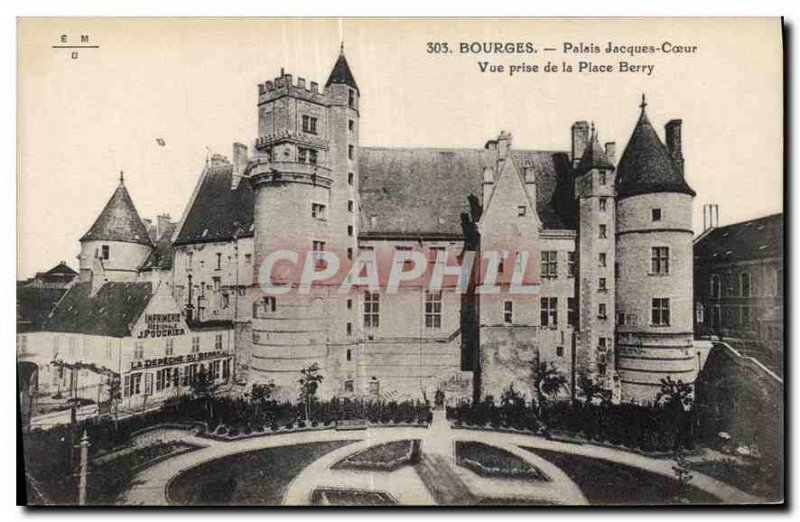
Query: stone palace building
(609,243)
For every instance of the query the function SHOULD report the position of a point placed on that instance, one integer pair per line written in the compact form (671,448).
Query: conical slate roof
(341,73)
(646,166)
(594,157)
(119,221)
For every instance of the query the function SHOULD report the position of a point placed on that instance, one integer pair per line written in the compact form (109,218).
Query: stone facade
(584,227)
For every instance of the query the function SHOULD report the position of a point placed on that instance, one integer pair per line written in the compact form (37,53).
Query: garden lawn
(609,483)
(108,480)
(253,478)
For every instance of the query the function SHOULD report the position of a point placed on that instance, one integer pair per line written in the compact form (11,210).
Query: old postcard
(379,262)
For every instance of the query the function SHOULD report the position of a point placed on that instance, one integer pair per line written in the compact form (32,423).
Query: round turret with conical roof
(654,263)
(118,242)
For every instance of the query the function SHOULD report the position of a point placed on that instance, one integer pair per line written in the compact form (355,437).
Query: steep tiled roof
(160,257)
(646,166)
(756,239)
(218,212)
(411,191)
(119,221)
(111,311)
(425,191)
(34,304)
(341,73)
(594,157)
(62,269)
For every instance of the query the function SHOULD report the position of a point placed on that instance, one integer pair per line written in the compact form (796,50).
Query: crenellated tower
(654,256)
(305,176)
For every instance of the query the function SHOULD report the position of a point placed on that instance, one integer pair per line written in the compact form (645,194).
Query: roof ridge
(458,149)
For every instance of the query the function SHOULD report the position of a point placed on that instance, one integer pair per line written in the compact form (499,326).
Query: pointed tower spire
(646,166)
(341,74)
(594,157)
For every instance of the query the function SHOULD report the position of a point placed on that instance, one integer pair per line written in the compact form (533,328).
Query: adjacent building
(738,287)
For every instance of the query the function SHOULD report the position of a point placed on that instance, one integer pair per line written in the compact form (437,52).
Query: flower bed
(383,457)
(490,461)
(350,497)
(224,434)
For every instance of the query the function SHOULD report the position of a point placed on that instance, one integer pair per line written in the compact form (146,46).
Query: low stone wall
(740,396)
(168,432)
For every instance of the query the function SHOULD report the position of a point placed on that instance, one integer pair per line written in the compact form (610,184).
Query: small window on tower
(602,177)
(508,313)
(309,124)
(350,178)
(351,125)
(350,206)
(602,232)
(351,98)
(521,210)
(656,214)
(350,152)
(603,202)
(318,211)
(105,252)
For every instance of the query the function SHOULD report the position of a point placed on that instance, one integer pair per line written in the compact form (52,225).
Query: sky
(193,84)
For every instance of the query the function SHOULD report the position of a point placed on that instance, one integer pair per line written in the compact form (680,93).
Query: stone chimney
(611,152)
(239,164)
(162,222)
(580,139)
(97,276)
(710,216)
(151,230)
(503,145)
(673,132)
